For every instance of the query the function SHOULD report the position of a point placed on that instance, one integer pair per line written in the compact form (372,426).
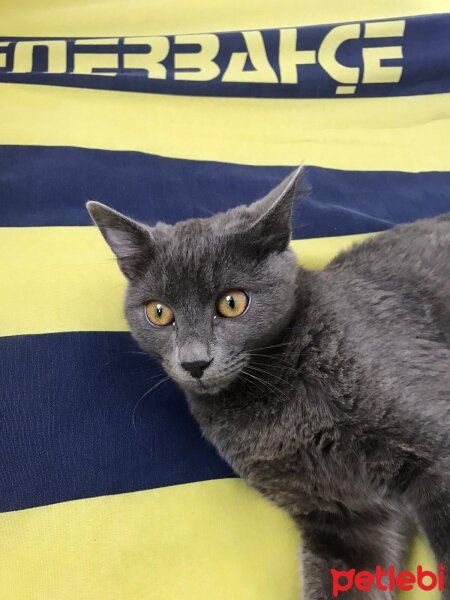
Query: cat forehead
(218,224)
(190,259)
(186,238)
(200,238)
(193,253)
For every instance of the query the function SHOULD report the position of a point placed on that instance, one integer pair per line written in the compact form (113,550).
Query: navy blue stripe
(424,63)
(66,431)
(49,186)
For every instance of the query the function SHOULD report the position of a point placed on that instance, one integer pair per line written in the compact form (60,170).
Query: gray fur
(330,395)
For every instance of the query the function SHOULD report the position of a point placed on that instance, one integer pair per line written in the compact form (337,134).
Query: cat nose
(196,367)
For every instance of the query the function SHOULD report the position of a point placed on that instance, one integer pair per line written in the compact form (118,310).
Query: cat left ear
(273,226)
(130,241)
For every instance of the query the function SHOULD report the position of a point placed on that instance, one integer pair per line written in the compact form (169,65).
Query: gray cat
(328,392)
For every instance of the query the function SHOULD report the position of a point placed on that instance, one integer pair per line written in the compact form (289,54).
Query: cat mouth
(208,386)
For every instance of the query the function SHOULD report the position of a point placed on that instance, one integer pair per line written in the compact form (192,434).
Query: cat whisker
(269,386)
(252,383)
(272,375)
(296,390)
(275,346)
(278,364)
(271,358)
(142,370)
(275,369)
(281,379)
(272,388)
(289,354)
(142,397)
(245,381)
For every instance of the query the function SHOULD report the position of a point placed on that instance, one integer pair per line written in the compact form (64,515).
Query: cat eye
(159,314)
(232,304)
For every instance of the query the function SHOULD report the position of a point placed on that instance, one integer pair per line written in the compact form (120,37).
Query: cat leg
(431,501)
(346,543)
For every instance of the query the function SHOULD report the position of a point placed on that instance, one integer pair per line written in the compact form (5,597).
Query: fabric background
(168,111)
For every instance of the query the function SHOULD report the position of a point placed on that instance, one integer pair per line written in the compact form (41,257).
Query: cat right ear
(130,241)
(271,230)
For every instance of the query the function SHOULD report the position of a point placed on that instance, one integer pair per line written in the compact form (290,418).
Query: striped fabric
(167,111)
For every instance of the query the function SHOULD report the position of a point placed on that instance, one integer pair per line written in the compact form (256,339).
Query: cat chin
(206,388)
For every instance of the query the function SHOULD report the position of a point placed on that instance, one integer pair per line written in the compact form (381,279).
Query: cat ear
(130,241)
(272,228)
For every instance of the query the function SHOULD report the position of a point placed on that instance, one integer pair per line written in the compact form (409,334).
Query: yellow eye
(232,304)
(159,313)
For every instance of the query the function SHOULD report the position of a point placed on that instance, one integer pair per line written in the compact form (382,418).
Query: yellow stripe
(316,253)
(113,18)
(66,279)
(347,133)
(215,540)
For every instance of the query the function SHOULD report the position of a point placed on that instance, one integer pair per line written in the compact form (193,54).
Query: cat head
(204,293)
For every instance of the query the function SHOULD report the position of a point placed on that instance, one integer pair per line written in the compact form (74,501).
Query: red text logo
(384,580)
